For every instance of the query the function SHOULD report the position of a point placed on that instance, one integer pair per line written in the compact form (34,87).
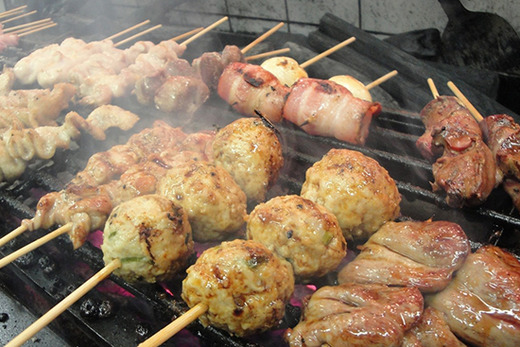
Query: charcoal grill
(41,278)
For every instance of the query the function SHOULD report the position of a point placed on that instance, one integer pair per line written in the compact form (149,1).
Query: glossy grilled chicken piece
(482,303)
(357,315)
(431,331)
(412,253)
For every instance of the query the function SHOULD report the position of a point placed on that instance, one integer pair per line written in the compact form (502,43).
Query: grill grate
(140,310)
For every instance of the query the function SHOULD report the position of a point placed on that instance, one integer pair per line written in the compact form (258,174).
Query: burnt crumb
(142,331)
(4,317)
(292,315)
(25,261)
(92,309)
(89,308)
(48,265)
(255,82)
(106,309)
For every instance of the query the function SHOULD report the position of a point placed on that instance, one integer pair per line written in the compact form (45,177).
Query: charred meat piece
(482,303)
(357,315)
(419,254)
(146,86)
(210,65)
(181,94)
(250,89)
(464,166)
(325,108)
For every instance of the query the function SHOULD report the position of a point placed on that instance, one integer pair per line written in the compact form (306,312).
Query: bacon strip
(326,108)
(250,89)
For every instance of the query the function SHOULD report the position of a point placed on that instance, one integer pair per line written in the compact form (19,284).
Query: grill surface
(46,275)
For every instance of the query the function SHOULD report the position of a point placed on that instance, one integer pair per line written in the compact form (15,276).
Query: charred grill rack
(42,278)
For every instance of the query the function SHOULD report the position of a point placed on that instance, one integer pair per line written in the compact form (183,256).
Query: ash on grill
(118,313)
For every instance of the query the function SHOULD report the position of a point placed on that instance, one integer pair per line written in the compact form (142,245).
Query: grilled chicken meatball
(482,303)
(215,204)
(151,236)
(412,253)
(244,285)
(249,150)
(357,315)
(300,231)
(356,189)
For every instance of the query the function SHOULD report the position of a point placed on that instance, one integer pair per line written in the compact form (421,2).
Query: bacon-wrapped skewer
(249,88)
(325,108)
(319,107)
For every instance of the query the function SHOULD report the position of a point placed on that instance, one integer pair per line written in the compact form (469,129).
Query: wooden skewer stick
(35,244)
(13,11)
(128,30)
(36,30)
(189,33)
(433,88)
(476,114)
(327,52)
(381,79)
(48,317)
(205,30)
(174,327)
(268,54)
(18,17)
(46,20)
(137,35)
(13,234)
(37,26)
(262,37)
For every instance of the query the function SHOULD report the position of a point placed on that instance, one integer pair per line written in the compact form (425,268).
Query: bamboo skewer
(18,17)
(474,112)
(327,52)
(381,79)
(262,37)
(35,23)
(18,231)
(267,54)
(38,26)
(13,234)
(174,327)
(64,304)
(33,245)
(128,30)
(13,11)
(137,35)
(205,30)
(8,12)
(186,34)
(433,88)
(38,29)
